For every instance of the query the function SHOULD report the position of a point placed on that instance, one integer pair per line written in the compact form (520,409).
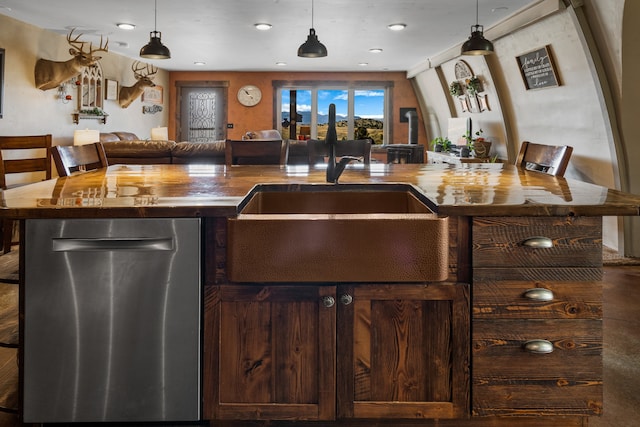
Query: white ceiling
(221,33)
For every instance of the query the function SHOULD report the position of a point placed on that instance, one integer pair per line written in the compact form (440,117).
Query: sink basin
(337,233)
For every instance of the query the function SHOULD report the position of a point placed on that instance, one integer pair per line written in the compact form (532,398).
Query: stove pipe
(413,126)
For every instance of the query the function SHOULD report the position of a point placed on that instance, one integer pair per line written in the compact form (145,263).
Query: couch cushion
(199,152)
(138,148)
(108,137)
(127,136)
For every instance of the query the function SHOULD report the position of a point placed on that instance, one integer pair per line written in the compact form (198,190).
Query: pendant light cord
(155,16)
(477,18)
(311,13)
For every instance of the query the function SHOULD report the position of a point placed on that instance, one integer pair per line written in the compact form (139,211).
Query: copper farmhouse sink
(336,233)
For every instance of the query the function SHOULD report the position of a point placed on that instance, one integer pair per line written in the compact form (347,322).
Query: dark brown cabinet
(312,352)
(272,353)
(537,316)
(403,351)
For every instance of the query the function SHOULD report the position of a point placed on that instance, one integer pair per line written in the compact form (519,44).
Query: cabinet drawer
(537,242)
(509,380)
(537,300)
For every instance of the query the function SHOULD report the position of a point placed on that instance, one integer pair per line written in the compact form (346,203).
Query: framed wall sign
(112,90)
(537,69)
(152,95)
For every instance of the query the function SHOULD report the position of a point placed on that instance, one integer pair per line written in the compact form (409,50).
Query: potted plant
(455,89)
(479,145)
(441,144)
(474,85)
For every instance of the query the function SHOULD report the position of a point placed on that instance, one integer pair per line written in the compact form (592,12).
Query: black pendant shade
(477,44)
(312,48)
(155,49)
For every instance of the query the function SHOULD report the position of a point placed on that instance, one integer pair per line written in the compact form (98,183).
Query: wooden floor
(621,352)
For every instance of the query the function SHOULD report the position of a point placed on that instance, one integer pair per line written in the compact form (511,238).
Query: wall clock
(249,95)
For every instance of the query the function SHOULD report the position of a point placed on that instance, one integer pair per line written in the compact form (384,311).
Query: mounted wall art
(537,68)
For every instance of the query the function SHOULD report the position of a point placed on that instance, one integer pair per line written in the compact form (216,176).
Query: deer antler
(101,48)
(77,44)
(149,70)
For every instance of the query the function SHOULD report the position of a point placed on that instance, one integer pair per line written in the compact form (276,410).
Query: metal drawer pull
(539,346)
(538,242)
(109,244)
(539,294)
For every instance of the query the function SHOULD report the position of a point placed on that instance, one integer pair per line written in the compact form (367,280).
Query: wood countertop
(216,190)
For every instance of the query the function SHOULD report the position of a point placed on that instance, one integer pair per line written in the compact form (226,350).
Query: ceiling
(221,33)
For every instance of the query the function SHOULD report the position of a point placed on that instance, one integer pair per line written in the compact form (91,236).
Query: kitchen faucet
(335,169)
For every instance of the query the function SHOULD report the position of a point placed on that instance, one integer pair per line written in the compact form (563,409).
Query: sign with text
(537,69)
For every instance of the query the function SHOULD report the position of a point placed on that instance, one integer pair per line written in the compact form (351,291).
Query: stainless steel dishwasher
(112,320)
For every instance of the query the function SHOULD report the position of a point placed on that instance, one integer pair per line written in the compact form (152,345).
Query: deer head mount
(144,74)
(50,74)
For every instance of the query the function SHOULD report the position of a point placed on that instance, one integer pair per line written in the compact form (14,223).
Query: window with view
(360,112)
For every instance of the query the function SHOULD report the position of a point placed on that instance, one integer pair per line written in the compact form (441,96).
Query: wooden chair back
(37,160)
(79,158)
(256,152)
(22,154)
(318,150)
(549,159)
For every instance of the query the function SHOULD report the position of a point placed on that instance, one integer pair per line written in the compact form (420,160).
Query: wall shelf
(78,116)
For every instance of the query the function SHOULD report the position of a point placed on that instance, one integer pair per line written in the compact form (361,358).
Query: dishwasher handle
(112,244)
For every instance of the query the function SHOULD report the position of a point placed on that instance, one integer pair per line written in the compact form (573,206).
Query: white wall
(30,111)
(569,114)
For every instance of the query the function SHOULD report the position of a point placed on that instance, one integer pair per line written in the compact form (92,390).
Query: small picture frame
(111,92)
(484,103)
(152,95)
(464,104)
(473,104)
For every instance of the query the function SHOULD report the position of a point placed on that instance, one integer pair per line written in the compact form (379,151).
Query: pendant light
(477,44)
(155,49)
(312,48)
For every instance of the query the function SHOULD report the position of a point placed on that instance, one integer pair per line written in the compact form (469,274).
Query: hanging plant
(455,89)
(474,85)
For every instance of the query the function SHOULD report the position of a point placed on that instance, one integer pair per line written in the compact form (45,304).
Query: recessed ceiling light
(281,64)
(397,27)
(363,64)
(125,26)
(499,9)
(262,26)
(375,50)
(199,63)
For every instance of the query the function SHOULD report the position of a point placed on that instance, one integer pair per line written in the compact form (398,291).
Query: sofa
(126,148)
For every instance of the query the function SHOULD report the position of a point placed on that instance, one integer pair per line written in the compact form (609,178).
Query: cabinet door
(273,353)
(404,351)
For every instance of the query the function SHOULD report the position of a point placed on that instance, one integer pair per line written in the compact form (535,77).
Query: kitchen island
(513,331)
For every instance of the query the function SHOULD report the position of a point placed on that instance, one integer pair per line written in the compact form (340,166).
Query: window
(361,110)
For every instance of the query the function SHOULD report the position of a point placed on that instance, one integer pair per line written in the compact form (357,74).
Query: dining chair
(549,159)
(256,152)
(318,150)
(27,159)
(78,158)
